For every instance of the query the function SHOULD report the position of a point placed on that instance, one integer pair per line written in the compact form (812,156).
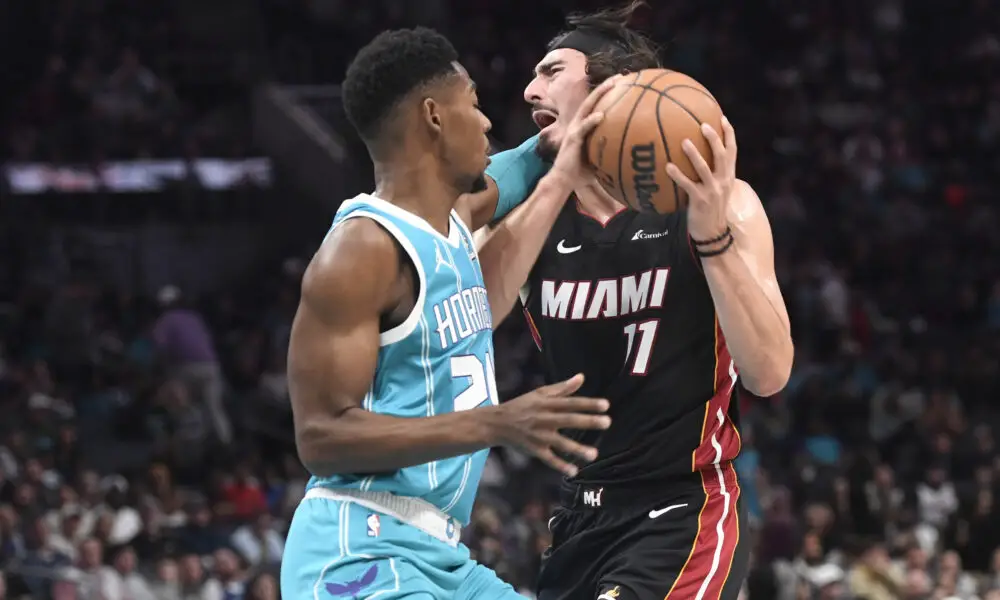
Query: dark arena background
(156,151)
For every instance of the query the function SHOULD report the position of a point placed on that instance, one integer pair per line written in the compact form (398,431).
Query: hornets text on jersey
(440,359)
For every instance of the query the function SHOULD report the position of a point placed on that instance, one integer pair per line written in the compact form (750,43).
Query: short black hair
(387,69)
(634,51)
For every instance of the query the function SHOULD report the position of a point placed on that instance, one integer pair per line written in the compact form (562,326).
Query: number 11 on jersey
(642,336)
(646,334)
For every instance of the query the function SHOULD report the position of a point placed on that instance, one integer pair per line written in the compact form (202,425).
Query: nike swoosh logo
(563,249)
(659,513)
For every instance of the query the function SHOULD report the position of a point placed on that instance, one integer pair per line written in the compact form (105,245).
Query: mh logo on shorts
(593,497)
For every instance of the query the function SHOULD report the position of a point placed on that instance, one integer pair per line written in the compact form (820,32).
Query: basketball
(646,118)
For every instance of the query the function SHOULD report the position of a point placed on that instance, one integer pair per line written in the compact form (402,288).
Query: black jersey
(627,304)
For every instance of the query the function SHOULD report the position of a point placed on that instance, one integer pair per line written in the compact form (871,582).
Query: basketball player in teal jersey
(391,356)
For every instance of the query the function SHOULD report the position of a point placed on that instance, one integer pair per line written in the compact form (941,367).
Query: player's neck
(417,189)
(596,202)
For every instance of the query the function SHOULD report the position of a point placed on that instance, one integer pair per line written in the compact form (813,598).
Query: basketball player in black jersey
(663,314)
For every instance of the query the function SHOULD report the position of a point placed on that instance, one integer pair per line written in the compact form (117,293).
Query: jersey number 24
(481,378)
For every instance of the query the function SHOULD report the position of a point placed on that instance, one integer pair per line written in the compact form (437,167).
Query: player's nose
(487,124)
(533,93)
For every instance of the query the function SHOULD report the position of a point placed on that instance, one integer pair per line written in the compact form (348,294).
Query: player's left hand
(709,198)
(571,160)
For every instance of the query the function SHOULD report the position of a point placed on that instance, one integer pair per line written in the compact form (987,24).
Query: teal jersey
(439,360)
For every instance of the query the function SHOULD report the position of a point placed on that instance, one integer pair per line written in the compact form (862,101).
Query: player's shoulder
(357,261)
(477,210)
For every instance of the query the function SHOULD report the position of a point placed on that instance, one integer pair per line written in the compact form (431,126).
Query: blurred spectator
(263,587)
(195,583)
(166,582)
(41,562)
(200,535)
(259,544)
(96,580)
(184,342)
(874,576)
(227,570)
(936,499)
(180,428)
(242,494)
(132,584)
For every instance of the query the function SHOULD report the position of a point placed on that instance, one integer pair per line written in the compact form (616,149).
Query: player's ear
(431,112)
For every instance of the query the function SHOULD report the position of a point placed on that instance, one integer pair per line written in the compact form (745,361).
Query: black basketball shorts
(681,542)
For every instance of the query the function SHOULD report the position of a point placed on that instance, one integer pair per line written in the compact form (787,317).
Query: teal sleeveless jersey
(439,360)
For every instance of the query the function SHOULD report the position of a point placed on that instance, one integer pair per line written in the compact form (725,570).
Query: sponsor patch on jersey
(642,235)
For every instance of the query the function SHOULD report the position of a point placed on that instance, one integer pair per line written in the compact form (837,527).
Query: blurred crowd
(145,449)
(133,459)
(105,80)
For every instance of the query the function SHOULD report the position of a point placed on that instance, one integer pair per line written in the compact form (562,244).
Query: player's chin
(478,184)
(548,144)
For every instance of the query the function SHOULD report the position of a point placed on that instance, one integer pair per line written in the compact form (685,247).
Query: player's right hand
(572,159)
(532,422)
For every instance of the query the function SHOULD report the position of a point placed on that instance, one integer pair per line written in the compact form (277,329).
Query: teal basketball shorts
(354,545)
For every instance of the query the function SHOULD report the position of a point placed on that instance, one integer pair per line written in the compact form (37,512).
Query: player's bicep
(755,243)
(334,341)
(331,360)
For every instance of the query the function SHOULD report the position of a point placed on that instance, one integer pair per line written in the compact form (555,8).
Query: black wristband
(710,253)
(728,233)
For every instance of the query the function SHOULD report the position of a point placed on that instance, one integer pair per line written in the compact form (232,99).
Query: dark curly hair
(387,69)
(634,51)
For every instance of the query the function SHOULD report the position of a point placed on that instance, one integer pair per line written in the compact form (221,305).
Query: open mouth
(543,118)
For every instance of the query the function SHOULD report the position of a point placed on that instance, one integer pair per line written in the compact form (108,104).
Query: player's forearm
(513,246)
(359,441)
(756,333)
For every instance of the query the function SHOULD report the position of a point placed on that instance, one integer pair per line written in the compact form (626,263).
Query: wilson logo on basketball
(644,178)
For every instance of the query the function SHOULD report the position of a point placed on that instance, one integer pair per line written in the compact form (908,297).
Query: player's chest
(581,249)
(457,313)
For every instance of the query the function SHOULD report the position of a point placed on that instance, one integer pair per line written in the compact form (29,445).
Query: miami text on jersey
(604,298)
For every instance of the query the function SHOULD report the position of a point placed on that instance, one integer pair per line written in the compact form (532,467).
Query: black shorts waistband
(584,495)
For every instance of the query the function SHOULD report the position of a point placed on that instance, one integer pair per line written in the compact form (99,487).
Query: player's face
(466,147)
(559,88)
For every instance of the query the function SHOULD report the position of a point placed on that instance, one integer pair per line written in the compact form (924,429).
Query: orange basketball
(646,118)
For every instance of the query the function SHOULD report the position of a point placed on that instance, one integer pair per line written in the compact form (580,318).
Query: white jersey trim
(409,324)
